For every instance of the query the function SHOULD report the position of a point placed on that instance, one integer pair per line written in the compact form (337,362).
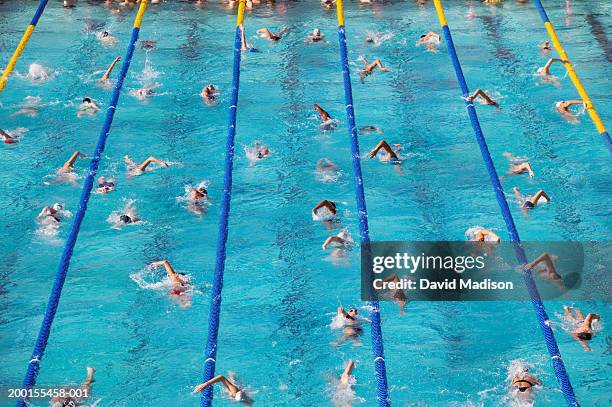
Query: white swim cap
(57,207)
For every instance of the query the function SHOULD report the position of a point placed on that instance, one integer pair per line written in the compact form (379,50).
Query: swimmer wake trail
(62,270)
(22,44)
(540,310)
(376,330)
(215,294)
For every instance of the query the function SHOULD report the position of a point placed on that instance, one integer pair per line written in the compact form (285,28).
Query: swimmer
(106,39)
(257,152)
(326,170)
(180,283)
(143,93)
(431,40)
(196,197)
(584,332)
(274,37)
(245,45)
(128,216)
(51,215)
(315,36)
(377,38)
(328,4)
(327,122)
(29,107)
(327,208)
(66,173)
(545,46)
(484,235)
(563,108)
(7,138)
(138,169)
(486,98)
(524,382)
(370,129)
(105,185)
(38,73)
(148,45)
(398,296)
(209,94)
(530,202)
(352,325)
(70,3)
(545,70)
(104,80)
(342,243)
(233,391)
(58,401)
(391,154)
(546,267)
(368,68)
(88,107)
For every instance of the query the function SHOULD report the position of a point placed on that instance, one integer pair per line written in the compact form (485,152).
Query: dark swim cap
(125,219)
(87,100)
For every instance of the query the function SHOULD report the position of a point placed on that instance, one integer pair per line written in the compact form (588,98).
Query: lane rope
(380,369)
(217,284)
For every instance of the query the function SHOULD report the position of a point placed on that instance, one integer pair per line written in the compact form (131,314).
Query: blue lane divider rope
(376,330)
(540,310)
(215,294)
(62,270)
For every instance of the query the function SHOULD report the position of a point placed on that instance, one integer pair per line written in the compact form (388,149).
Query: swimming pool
(280,289)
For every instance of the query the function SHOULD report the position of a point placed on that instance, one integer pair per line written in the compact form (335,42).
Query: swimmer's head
(104,33)
(57,207)
(353,312)
(202,191)
(125,219)
(87,100)
(316,32)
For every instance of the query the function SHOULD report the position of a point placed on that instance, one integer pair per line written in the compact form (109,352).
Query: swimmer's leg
(568,313)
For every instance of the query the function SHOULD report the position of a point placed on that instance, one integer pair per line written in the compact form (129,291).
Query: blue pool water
(281,290)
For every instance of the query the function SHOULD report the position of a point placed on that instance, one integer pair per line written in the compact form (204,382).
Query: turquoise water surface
(281,290)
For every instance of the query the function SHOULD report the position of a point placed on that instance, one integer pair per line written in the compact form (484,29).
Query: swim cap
(57,207)
(316,32)
(125,219)
(87,100)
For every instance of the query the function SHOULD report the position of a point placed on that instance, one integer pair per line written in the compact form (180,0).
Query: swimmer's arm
(569,103)
(169,270)
(342,312)
(45,211)
(322,113)
(150,160)
(481,93)
(584,344)
(490,233)
(385,146)
(333,239)
(244,46)
(212,381)
(5,134)
(72,159)
(325,203)
(344,378)
(110,69)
